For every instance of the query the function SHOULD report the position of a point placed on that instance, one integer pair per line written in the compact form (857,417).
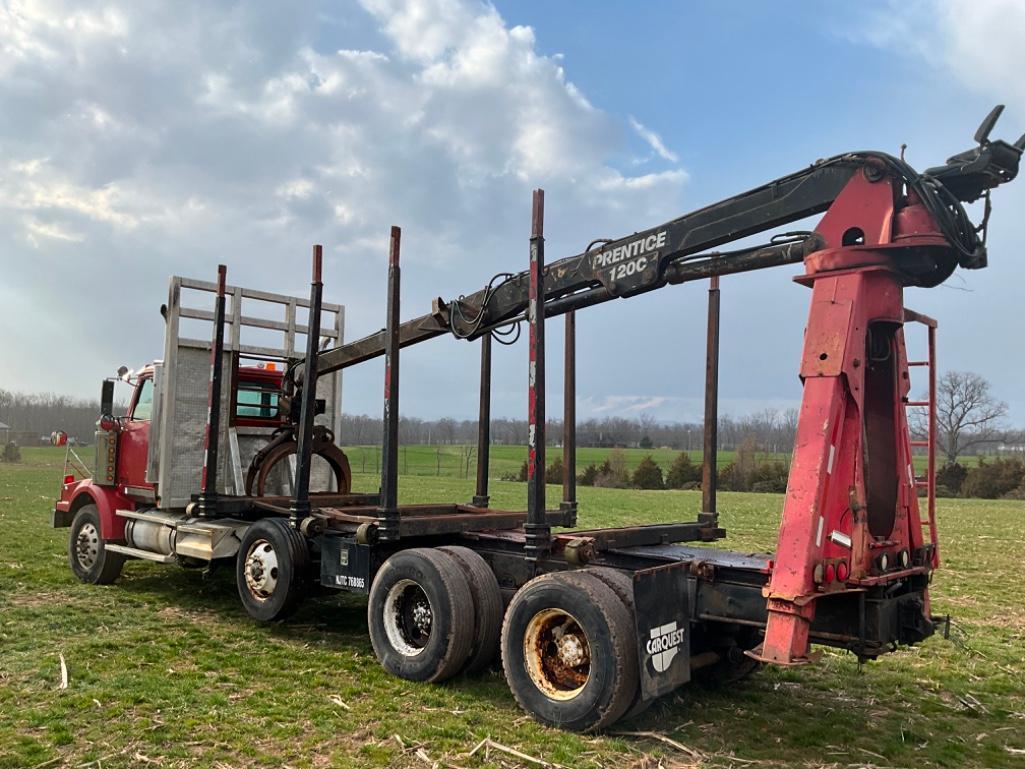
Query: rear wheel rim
(557,654)
(261,570)
(87,546)
(408,618)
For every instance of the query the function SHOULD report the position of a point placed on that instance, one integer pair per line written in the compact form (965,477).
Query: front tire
(88,556)
(271,569)
(569,651)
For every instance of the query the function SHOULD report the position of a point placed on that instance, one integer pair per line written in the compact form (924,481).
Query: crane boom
(678,251)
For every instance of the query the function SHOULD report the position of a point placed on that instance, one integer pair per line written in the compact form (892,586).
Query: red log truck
(227,456)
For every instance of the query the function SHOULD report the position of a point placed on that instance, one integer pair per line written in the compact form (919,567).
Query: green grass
(166,670)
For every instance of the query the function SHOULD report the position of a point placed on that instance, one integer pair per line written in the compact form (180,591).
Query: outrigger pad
(663,628)
(344,564)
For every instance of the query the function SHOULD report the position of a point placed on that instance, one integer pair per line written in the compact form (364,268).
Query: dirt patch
(36,599)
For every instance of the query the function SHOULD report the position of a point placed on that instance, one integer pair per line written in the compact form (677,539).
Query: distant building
(4,432)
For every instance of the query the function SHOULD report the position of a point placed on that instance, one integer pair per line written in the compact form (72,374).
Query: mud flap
(61,519)
(344,564)
(663,628)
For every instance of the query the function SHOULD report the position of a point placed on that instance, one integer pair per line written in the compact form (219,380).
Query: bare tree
(468,451)
(967,414)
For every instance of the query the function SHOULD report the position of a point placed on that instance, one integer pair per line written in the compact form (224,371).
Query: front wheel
(271,570)
(88,556)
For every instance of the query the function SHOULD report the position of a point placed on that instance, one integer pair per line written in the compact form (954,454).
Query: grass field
(165,670)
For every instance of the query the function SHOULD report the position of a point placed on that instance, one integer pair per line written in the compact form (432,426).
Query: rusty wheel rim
(557,654)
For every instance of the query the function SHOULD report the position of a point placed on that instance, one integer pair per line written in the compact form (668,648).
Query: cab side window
(144,403)
(254,401)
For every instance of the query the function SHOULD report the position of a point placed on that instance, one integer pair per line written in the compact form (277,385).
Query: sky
(143,139)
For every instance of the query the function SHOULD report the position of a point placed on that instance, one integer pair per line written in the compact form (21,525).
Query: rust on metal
(537,528)
(557,654)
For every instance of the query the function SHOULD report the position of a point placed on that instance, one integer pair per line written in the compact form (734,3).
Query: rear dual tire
(569,652)
(623,585)
(487,604)
(421,615)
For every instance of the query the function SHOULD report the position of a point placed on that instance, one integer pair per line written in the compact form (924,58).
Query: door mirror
(107,397)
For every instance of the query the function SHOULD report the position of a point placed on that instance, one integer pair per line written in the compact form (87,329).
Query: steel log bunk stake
(300,507)
(208,494)
(569,424)
(389,512)
(709,477)
(537,529)
(480,499)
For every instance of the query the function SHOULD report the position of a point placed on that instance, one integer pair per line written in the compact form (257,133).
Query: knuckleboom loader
(227,455)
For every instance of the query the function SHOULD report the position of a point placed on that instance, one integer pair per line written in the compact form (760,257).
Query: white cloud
(38,229)
(35,185)
(674,408)
(654,140)
(624,404)
(977,42)
(973,53)
(141,139)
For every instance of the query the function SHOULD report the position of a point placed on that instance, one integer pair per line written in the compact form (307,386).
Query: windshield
(144,403)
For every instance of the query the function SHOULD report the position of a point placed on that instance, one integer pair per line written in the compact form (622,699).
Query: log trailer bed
(591,625)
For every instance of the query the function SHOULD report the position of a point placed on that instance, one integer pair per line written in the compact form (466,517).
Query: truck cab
(123,449)
(149,465)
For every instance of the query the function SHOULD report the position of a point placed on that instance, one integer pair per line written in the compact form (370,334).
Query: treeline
(772,430)
(30,416)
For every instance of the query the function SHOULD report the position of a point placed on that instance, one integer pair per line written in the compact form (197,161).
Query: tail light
(824,573)
(842,571)
(69,479)
(107,422)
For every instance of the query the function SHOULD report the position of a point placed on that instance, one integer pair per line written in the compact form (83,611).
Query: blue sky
(139,140)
